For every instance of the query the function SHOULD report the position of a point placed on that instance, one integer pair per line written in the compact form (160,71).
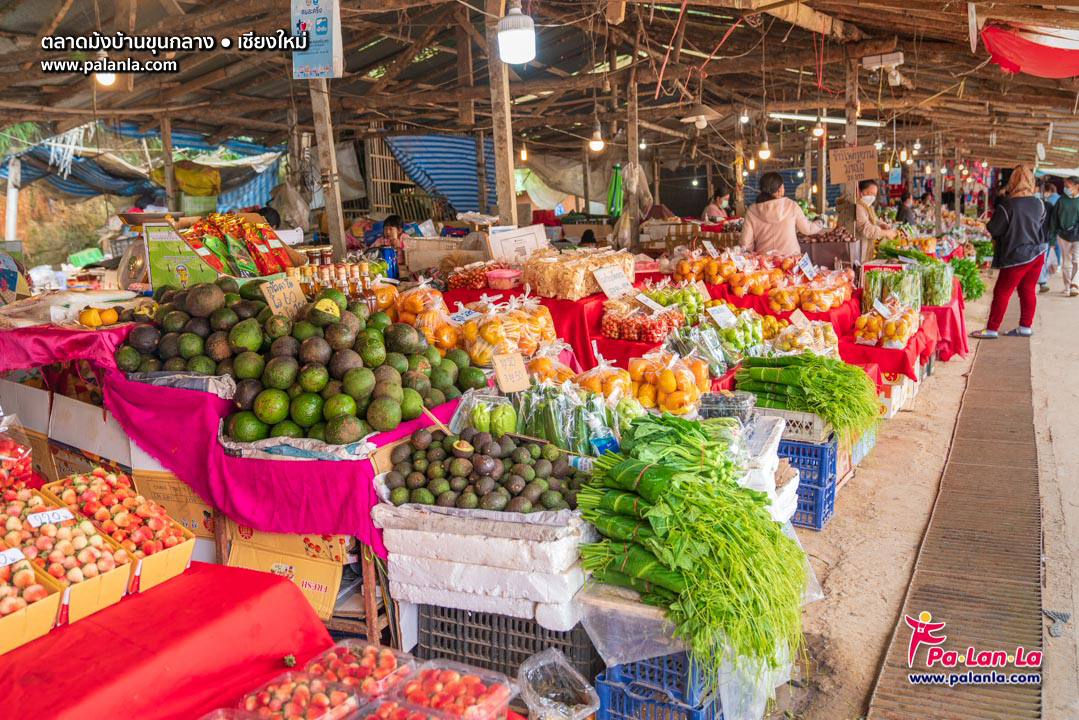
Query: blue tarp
(88,179)
(446,165)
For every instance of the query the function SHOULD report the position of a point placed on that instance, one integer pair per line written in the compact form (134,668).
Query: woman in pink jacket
(773,222)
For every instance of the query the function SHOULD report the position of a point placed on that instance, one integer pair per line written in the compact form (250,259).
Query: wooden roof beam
(795,13)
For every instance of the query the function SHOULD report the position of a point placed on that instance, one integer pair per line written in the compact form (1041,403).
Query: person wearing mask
(773,222)
(904,214)
(867,229)
(1049,192)
(1018,231)
(1050,195)
(1064,226)
(716,211)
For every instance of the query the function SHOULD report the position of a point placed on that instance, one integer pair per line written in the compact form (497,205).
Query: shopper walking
(1018,231)
(773,222)
(1064,226)
(1049,193)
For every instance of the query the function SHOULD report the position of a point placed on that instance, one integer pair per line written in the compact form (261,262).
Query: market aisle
(978,574)
(1054,355)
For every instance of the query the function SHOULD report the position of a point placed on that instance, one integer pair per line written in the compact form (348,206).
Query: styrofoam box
(29,403)
(544,557)
(89,428)
(484,580)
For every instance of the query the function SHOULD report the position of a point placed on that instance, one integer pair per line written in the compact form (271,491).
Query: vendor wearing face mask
(716,211)
(1064,225)
(866,226)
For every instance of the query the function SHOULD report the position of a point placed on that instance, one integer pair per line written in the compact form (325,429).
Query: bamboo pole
(327,157)
(166,161)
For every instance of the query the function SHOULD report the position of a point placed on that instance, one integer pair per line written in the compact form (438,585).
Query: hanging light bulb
(903,155)
(744,117)
(752,164)
(887,167)
(814,189)
(929,169)
(764,152)
(642,145)
(516,36)
(693,182)
(700,123)
(745,173)
(918,144)
(818,129)
(960,167)
(524,153)
(801,173)
(910,161)
(965,172)
(105,79)
(879,144)
(596,144)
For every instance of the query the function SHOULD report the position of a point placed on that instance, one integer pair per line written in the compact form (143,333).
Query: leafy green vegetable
(969,278)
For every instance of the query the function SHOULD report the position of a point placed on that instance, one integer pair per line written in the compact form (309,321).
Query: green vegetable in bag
(502,420)
(480,417)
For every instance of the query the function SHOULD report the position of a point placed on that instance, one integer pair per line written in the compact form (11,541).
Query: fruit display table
(903,361)
(227,631)
(842,317)
(950,323)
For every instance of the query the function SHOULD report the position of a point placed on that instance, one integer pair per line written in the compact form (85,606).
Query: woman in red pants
(1019,244)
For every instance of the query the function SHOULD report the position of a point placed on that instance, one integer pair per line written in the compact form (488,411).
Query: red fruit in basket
(101,514)
(74,575)
(34,593)
(23,577)
(56,570)
(10,605)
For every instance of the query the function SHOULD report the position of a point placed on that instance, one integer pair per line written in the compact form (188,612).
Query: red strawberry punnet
(300,695)
(19,587)
(371,669)
(396,710)
(459,690)
(70,550)
(141,526)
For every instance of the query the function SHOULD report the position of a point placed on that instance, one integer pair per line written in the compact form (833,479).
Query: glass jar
(326,253)
(314,255)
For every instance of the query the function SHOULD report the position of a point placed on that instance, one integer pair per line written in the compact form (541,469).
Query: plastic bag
(606,380)
(554,690)
(817,337)
(547,365)
(665,382)
(702,343)
(16,458)
(413,302)
(784,297)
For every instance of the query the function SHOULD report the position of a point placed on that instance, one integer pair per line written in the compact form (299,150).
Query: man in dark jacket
(1064,225)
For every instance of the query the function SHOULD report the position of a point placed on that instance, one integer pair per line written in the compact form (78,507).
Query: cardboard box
(331,548)
(82,436)
(577,230)
(423,253)
(318,580)
(32,621)
(158,484)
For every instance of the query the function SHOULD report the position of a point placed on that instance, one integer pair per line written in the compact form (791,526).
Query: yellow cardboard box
(177,497)
(318,580)
(331,548)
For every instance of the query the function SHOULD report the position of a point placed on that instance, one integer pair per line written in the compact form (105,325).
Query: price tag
(649,303)
(284,296)
(806,266)
(908,260)
(612,281)
(49,516)
(799,318)
(510,372)
(710,248)
(722,315)
(739,262)
(462,316)
(10,557)
(703,290)
(882,309)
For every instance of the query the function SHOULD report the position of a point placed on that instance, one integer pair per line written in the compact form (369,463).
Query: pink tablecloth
(951,324)
(178,428)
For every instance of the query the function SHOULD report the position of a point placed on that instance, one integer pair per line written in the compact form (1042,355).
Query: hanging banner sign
(324,57)
(852,164)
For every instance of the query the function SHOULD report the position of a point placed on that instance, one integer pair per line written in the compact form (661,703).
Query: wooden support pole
(739,178)
(957,184)
(466,109)
(822,174)
(850,136)
(295,151)
(11,210)
(709,187)
(370,594)
(655,177)
(634,152)
(612,65)
(327,158)
(166,162)
(587,170)
(481,171)
(938,180)
(498,75)
(123,19)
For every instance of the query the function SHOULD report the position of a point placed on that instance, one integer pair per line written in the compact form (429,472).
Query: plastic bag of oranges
(547,365)
(784,297)
(414,301)
(664,382)
(607,380)
(485,336)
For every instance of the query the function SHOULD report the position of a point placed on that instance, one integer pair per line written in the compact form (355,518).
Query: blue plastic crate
(816,505)
(861,448)
(816,464)
(673,674)
(640,702)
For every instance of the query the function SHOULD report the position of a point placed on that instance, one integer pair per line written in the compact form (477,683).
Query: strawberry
(19,587)
(300,695)
(372,668)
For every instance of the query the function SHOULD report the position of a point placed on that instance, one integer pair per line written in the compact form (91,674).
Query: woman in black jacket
(1018,232)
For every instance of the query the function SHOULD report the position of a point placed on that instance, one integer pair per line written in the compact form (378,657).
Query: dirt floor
(865,555)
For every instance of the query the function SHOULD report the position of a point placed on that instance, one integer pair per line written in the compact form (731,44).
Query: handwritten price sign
(10,557)
(710,248)
(612,280)
(49,516)
(722,316)
(807,267)
(284,296)
(510,372)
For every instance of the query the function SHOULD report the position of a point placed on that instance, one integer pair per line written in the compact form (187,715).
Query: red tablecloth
(842,317)
(951,325)
(176,652)
(725,381)
(895,361)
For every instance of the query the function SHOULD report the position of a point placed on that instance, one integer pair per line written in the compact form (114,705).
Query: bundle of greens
(707,551)
(890,251)
(969,279)
(840,393)
(936,283)
(703,447)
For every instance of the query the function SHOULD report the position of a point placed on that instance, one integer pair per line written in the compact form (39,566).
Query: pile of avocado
(335,372)
(473,470)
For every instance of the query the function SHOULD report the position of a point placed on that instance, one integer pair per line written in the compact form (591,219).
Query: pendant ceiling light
(765,152)
(752,164)
(516,36)
(524,153)
(918,144)
(105,79)
(744,117)
(879,144)
(818,129)
(596,144)
(700,114)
